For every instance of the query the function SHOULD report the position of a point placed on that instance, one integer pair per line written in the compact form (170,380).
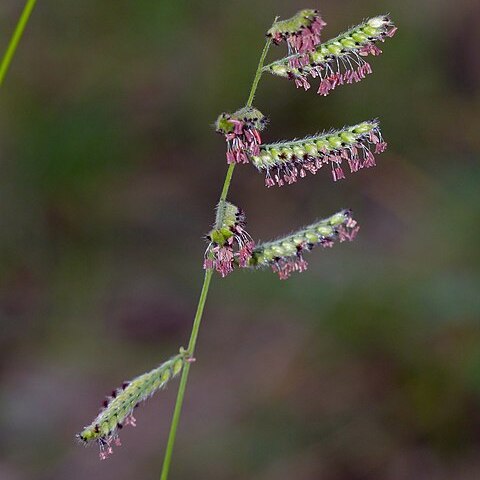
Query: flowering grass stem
(203,296)
(16,37)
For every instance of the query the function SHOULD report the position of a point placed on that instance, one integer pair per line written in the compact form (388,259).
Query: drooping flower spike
(229,242)
(286,162)
(338,61)
(285,255)
(301,32)
(241,130)
(117,410)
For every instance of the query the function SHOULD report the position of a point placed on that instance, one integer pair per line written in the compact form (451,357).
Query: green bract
(301,19)
(227,217)
(248,116)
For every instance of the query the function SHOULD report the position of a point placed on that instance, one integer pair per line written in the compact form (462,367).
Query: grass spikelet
(285,255)
(118,407)
(285,162)
(339,60)
(241,130)
(301,32)
(229,242)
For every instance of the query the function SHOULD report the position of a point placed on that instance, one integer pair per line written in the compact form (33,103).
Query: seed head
(285,255)
(229,242)
(241,130)
(301,32)
(285,162)
(117,410)
(338,61)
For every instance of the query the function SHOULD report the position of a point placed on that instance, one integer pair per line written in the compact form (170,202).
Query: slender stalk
(203,298)
(14,41)
(183,381)
(258,73)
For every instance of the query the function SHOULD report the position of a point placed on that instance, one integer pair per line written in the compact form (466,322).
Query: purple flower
(301,32)
(242,133)
(286,255)
(229,243)
(286,162)
(338,61)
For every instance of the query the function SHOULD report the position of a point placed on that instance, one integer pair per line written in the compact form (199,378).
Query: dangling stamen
(285,255)
(334,57)
(301,32)
(230,244)
(117,410)
(285,162)
(241,130)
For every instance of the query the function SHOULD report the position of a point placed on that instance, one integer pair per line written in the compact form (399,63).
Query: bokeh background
(365,367)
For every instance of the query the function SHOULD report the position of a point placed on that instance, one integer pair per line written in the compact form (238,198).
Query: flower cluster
(241,130)
(338,61)
(285,162)
(285,255)
(335,62)
(229,242)
(301,32)
(117,411)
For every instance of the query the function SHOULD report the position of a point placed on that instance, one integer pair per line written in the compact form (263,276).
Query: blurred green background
(365,367)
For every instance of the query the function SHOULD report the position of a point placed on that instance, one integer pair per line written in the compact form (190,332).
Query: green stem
(183,381)
(203,298)
(258,73)
(14,41)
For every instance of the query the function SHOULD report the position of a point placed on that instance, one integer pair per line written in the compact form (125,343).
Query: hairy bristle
(338,61)
(286,162)
(301,32)
(117,409)
(285,255)
(229,243)
(241,130)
